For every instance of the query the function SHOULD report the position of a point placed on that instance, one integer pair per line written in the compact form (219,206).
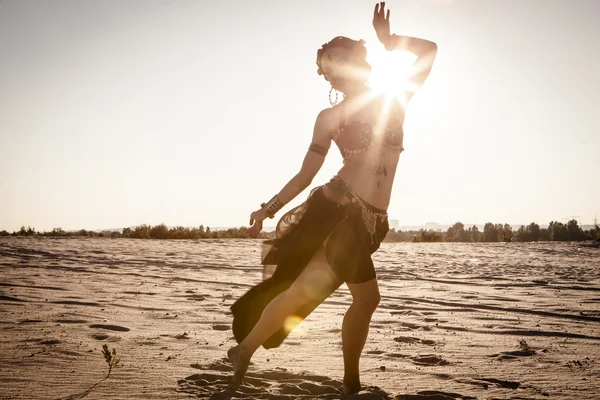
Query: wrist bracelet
(272,206)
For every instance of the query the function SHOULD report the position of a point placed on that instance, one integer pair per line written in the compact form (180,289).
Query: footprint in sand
(104,336)
(500,383)
(77,303)
(398,355)
(220,327)
(434,395)
(50,341)
(511,355)
(429,360)
(71,321)
(406,339)
(414,340)
(486,383)
(407,312)
(184,335)
(111,327)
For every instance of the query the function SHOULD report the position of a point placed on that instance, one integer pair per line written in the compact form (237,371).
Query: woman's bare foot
(350,387)
(239,362)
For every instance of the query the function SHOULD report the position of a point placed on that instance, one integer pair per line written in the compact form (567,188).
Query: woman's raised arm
(425,50)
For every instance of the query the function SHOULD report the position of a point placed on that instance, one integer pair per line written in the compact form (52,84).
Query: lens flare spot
(291,322)
(317,291)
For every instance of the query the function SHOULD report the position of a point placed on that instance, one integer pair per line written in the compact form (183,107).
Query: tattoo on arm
(318,149)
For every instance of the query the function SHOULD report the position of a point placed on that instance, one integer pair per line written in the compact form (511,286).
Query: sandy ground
(449,325)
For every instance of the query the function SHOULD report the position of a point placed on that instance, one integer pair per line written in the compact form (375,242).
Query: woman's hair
(357,47)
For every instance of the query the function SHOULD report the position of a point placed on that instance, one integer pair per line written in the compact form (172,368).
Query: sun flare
(292,322)
(391,71)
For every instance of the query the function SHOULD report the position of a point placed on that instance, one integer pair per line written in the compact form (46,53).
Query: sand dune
(456,321)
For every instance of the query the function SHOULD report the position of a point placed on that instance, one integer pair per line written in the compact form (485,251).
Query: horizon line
(272,227)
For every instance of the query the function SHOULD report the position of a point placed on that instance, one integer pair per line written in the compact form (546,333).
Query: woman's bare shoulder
(330,113)
(327,120)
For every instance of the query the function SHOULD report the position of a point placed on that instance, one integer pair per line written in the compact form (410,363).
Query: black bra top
(357,137)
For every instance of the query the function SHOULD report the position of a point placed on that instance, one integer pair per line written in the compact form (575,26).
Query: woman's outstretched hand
(381,23)
(256,219)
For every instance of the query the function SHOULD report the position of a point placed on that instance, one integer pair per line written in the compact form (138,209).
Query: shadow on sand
(214,383)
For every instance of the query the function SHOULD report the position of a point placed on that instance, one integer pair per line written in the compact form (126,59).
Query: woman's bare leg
(316,278)
(355,329)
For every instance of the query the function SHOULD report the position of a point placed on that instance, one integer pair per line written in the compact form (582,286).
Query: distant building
(434,226)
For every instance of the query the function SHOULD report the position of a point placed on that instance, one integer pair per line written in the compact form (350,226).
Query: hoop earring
(333,103)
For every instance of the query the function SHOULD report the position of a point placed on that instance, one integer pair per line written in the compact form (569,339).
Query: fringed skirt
(350,233)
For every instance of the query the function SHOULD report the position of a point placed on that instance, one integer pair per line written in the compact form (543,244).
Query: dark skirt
(299,234)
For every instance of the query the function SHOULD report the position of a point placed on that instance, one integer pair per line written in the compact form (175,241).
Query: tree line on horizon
(556,231)
(144,231)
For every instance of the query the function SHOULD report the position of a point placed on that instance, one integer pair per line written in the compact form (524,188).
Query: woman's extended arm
(313,160)
(425,50)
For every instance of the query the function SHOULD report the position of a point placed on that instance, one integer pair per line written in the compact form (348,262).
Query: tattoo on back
(318,149)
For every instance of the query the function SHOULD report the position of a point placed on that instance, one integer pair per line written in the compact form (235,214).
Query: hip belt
(370,213)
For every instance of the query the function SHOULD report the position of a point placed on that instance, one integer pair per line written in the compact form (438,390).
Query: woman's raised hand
(381,23)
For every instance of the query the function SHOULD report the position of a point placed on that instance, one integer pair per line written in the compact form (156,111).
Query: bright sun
(391,71)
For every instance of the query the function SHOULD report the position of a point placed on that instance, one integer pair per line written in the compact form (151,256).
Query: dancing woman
(329,239)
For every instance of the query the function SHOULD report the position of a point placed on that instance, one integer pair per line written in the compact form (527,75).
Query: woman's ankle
(351,386)
(245,352)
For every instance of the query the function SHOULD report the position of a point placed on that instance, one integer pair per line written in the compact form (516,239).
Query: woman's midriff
(364,183)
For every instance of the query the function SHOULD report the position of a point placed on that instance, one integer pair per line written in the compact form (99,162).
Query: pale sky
(119,113)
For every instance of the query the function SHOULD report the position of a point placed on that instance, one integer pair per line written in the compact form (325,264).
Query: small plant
(110,357)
